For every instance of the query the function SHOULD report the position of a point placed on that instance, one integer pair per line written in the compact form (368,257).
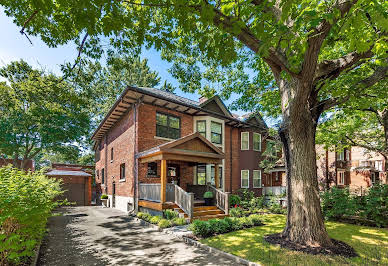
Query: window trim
(103,176)
(339,178)
(211,132)
(111,154)
(168,124)
(260,178)
(241,136)
(253,141)
(196,173)
(156,170)
(241,177)
(339,155)
(121,172)
(196,127)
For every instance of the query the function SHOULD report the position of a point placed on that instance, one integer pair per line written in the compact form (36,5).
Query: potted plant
(104,200)
(208,197)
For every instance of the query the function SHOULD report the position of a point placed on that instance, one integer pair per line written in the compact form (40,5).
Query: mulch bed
(339,248)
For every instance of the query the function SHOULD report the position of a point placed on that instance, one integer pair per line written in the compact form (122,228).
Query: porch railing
(184,200)
(221,198)
(149,192)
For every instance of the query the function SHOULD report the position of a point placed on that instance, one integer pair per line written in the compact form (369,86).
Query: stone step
(207,212)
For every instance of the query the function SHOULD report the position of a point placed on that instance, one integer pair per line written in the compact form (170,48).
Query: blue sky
(16,46)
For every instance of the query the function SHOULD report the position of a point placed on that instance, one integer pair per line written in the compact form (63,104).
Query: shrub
(26,202)
(236,212)
(218,226)
(145,216)
(208,195)
(375,205)
(155,219)
(164,223)
(201,228)
(104,196)
(256,202)
(245,222)
(255,219)
(179,221)
(234,200)
(170,214)
(337,203)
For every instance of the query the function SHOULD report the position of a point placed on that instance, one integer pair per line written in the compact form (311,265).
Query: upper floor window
(256,178)
(111,154)
(201,127)
(341,178)
(244,140)
(341,155)
(256,142)
(122,171)
(168,126)
(375,178)
(244,178)
(216,132)
(102,176)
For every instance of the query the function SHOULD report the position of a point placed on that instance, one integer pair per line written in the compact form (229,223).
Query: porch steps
(203,213)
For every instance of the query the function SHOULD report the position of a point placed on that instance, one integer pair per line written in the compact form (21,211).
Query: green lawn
(370,243)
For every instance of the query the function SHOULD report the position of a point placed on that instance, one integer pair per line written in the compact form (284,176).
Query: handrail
(184,200)
(221,198)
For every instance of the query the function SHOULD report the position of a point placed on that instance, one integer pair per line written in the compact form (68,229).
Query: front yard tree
(299,50)
(38,113)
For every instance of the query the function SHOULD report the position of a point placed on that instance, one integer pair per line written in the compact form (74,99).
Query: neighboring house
(155,147)
(29,165)
(76,182)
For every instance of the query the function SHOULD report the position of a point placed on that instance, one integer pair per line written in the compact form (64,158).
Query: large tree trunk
(305,223)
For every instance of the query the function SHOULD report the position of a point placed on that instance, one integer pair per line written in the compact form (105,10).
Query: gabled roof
(133,95)
(193,145)
(217,105)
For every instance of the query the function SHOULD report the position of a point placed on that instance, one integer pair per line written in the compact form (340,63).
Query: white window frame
(242,133)
(242,178)
(253,180)
(339,178)
(375,176)
(253,140)
(341,155)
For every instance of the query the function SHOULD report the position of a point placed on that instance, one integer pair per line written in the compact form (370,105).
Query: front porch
(175,189)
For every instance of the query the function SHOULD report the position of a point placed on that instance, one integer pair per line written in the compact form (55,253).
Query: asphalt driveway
(103,236)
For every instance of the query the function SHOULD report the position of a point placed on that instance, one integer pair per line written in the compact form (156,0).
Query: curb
(37,252)
(195,243)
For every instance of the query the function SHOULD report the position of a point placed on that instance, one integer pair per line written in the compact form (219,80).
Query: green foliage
(145,216)
(236,212)
(104,196)
(163,223)
(375,205)
(274,205)
(38,112)
(26,202)
(179,221)
(338,203)
(170,214)
(256,203)
(222,226)
(208,195)
(234,200)
(155,219)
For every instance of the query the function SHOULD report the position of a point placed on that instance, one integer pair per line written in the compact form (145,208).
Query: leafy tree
(304,57)
(38,112)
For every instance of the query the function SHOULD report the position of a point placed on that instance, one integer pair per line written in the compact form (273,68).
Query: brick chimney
(202,99)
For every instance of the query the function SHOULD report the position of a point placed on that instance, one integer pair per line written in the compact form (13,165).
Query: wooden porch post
(163,181)
(216,175)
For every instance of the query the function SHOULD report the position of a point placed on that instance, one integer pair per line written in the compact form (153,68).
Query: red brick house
(155,148)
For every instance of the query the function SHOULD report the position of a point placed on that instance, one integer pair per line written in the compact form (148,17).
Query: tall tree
(38,112)
(296,50)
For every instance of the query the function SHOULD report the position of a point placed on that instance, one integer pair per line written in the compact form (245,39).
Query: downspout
(135,162)
(106,163)
(230,162)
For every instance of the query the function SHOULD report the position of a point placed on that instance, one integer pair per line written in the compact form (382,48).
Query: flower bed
(26,202)
(221,226)
(171,220)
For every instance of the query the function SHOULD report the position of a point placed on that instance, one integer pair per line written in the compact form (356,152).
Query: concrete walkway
(102,236)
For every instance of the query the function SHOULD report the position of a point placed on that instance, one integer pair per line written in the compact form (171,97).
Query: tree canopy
(38,112)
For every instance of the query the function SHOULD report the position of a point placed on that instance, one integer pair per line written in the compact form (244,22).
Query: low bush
(221,226)
(375,205)
(337,203)
(234,200)
(26,202)
(164,223)
(170,214)
(155,219)
(256,203)
(179,221)
(236,212)
(145,216)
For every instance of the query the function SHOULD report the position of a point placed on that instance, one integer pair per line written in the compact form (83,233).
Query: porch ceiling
(192,148)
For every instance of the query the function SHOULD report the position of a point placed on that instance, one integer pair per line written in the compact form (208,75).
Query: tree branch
(26,23)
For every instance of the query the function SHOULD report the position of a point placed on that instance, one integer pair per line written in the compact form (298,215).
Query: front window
(244,178)
(122,171)
(152,169)
(256,142)
(256,178)
(168,126)
(216,132)
(103,176)
(213,171)
(244,140)
(201,174)
(201,127)
(341,178)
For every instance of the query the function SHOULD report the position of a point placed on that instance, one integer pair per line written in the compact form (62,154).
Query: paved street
(102,236)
